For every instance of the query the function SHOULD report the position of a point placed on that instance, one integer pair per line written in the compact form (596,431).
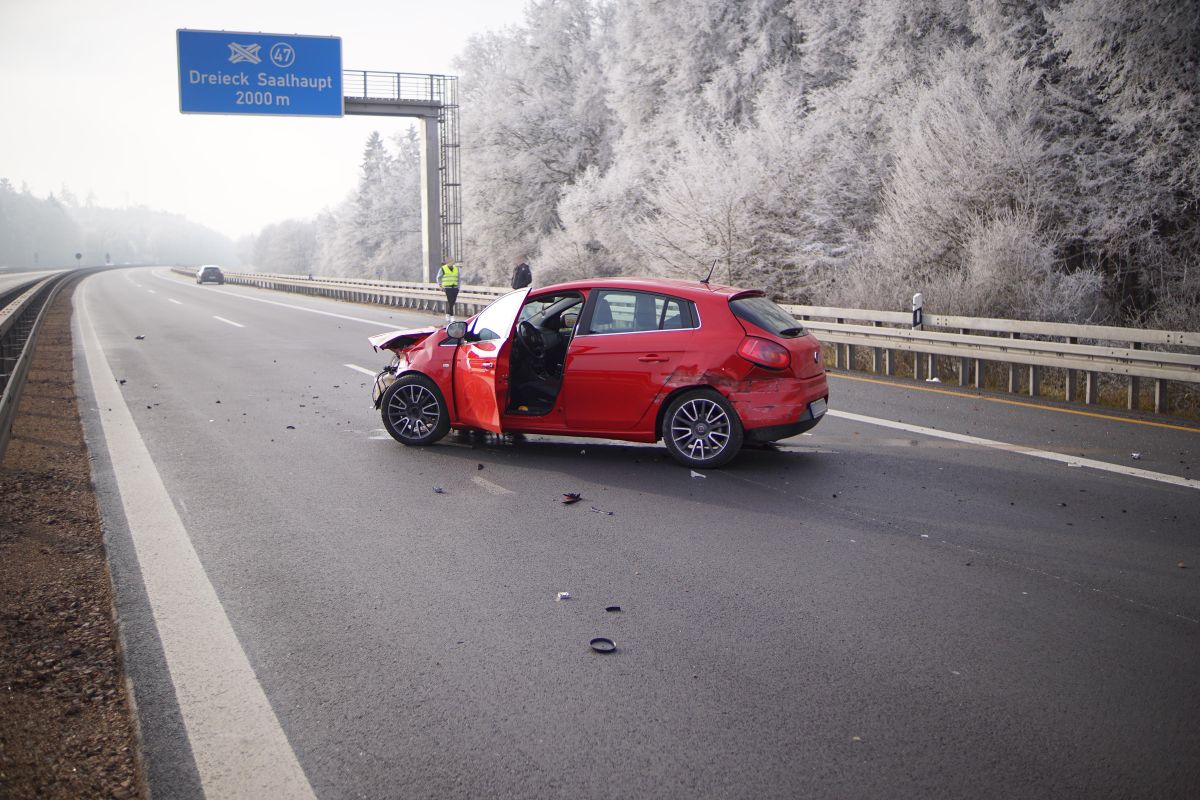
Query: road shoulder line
(1049,455)
(239,747)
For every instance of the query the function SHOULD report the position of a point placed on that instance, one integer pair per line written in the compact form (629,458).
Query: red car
(704,368)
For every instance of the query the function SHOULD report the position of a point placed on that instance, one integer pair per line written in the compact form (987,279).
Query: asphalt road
(865,611)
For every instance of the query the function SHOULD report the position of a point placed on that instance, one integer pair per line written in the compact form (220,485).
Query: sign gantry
(230,72)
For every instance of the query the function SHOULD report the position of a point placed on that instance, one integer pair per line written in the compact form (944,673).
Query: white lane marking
(363,370)
(1062,458)
(228,321)
(240,749)
(383,325)
(176,302)
(494,488)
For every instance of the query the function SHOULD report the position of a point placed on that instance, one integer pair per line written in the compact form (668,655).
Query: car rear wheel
(414,411)
(701,429)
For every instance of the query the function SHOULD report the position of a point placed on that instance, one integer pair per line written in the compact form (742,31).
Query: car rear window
(766,314)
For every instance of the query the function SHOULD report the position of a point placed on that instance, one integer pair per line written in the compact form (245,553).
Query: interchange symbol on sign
(244,52)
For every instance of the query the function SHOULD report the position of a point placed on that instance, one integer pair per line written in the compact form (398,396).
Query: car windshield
(766,314)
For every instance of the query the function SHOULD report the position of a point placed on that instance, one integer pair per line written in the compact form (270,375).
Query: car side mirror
(456,330)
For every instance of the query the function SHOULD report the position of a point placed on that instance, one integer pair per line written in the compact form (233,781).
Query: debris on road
(139,337)
(291,427)
(438,490)
(612,608)
(1136,456)
(602,644)
(698,475)
(121,381)
(562,596)
(479,466)
(571,497)
(599,511)
(1181,565)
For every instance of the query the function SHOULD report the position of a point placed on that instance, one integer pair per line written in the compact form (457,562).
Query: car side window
(622,311)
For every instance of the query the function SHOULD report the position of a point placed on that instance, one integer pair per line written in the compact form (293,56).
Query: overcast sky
(90,97)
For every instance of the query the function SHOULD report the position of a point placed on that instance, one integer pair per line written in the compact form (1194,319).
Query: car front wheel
(414,411)
(701,429)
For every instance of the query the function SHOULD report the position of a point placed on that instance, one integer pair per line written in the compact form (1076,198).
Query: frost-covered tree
(533,120)
(1132,71)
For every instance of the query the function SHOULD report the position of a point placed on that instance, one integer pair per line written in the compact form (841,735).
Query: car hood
(400,340)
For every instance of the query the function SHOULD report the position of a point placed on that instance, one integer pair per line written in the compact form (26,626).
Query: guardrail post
(1089,389)
(964,364)
(1160,395)
(1035,380)
(837,350)
(1013,381)
(876,353)
(1071,387)
(1134,386)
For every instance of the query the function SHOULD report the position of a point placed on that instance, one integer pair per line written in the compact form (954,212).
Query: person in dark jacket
(522,275)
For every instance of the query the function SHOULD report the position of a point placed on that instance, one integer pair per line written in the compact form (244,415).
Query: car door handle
(652,358)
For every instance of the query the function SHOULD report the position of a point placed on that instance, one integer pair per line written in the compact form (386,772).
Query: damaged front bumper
(385,378)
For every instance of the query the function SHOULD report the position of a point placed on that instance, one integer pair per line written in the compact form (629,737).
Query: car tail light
(764,352)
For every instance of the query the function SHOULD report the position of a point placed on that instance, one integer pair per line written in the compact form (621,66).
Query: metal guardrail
(1085,350)
(20,320)
(399,294)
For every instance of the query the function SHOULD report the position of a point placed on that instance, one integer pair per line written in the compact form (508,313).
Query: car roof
(691,290)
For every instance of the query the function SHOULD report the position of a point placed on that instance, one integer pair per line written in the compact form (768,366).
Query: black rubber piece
(612,608)
(602,644)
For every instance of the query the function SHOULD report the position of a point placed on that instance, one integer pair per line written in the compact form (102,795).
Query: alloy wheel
(700,428)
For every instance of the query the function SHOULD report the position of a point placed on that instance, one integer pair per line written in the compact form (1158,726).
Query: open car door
(481,363)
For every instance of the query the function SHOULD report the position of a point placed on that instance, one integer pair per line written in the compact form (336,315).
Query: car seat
(602,318)
(645,315)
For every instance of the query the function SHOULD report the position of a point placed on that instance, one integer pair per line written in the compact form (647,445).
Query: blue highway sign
(225,72)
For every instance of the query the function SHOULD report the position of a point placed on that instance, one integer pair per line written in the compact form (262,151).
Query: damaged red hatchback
(704,368)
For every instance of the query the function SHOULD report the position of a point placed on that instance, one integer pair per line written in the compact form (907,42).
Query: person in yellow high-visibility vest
(447,278)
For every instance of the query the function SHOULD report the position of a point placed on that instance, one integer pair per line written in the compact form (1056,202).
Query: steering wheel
(531,338)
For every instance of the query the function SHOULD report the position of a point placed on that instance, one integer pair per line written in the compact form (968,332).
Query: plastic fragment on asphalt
(291,427)
(562,596)
(924,535)
(1136,456)
(602,644)
(698,475)
(933,380)
(1074,464)
(612,608)
(1181,565)
(139,337)
(478,466)
(438,490)
(571,497)
(599,511)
